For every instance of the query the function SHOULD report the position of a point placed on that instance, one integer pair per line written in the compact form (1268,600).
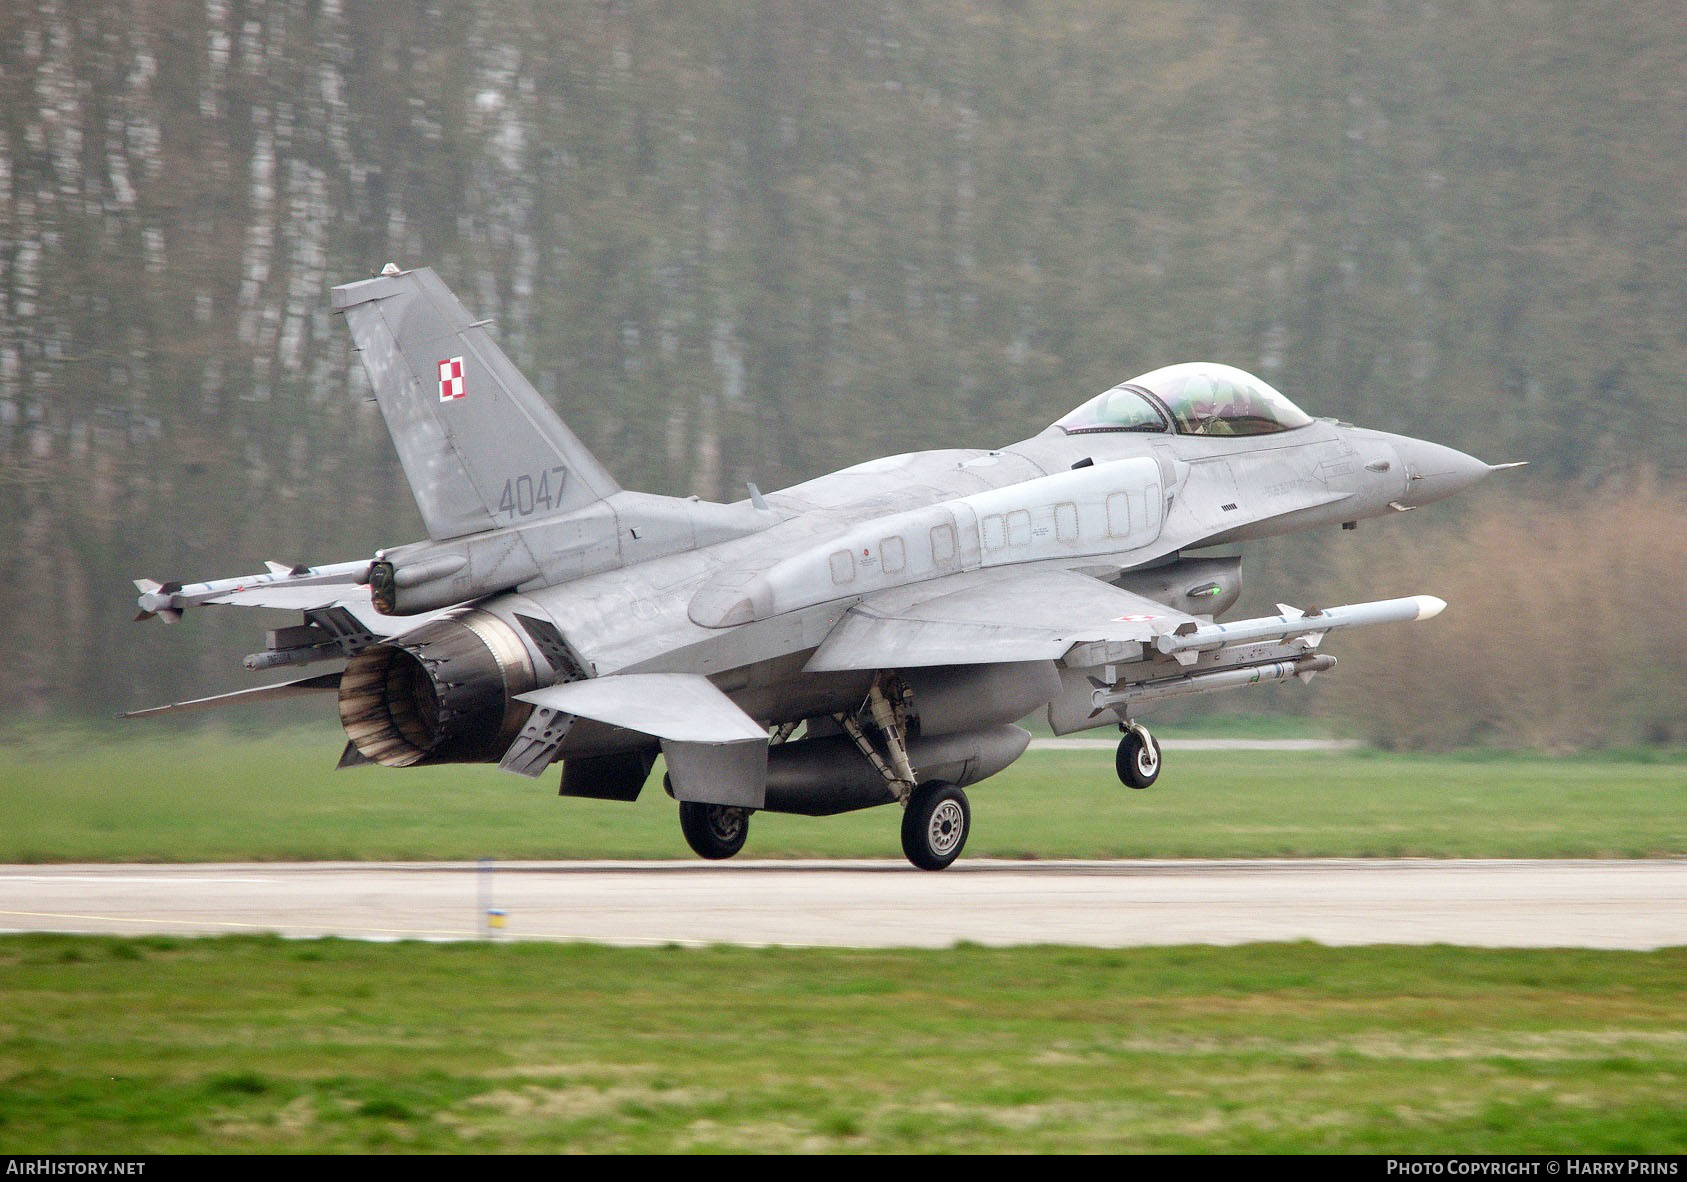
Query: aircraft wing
(294,598)
(985,617)
(339,620)
(282,586)
(350,596)
(262,693)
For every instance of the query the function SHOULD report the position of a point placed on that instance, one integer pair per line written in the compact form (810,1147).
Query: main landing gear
(714,831)
(1138,759)
(936,817)
(935,825)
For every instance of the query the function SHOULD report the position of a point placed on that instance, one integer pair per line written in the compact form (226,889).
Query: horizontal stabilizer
(716,753)
(263,693)
(685,707)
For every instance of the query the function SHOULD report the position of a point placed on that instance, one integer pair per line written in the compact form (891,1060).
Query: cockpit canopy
(1195,397)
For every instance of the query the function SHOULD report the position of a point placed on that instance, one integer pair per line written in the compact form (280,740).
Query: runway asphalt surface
(1519,904)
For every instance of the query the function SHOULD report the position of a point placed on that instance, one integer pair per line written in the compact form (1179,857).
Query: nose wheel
(1138,759)
(935,825)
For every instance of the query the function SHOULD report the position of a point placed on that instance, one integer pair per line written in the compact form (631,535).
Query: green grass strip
(261,1045)
(205,797)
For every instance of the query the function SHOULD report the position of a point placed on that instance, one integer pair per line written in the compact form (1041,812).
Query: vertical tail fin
(479,446)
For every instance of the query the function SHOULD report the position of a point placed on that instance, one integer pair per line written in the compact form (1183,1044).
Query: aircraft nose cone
(1434,472)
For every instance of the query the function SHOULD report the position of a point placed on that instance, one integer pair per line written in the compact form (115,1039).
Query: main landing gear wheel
(715,831)
(935,825)
(1138,760)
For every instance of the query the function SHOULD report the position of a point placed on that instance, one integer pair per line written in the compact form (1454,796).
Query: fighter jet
(868,637)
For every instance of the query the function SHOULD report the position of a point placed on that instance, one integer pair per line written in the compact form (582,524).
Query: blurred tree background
(757,239)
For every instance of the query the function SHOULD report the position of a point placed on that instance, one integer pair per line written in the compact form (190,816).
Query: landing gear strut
(714,831)
(935,815)
(1138,760)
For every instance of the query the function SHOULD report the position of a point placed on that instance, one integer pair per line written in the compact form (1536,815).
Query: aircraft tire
(1138,759)
(714,831)
(935,825)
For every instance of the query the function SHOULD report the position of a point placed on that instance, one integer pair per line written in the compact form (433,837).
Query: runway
(1519,904)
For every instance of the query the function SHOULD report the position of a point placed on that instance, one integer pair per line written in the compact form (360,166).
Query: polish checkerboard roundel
(451,386)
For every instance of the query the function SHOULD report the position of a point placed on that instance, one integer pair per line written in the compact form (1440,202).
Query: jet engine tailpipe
(443,693)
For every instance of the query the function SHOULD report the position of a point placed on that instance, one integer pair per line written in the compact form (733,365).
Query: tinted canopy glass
(1120,409)
(1210,399)
(1204,398)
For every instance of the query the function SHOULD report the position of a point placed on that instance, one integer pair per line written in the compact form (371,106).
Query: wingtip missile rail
(169,600)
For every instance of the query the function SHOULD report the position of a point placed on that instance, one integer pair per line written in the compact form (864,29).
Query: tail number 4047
(526,495)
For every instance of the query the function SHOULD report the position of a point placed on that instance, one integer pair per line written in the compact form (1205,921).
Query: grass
(242,1045)
(210,797)
(258,1045)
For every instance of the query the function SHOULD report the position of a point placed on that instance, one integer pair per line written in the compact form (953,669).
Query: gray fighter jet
(867,637)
